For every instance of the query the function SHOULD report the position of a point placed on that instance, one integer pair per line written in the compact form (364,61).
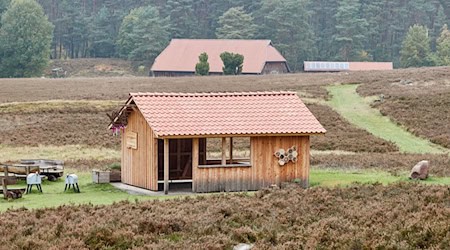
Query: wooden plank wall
(264,170)
(140,166)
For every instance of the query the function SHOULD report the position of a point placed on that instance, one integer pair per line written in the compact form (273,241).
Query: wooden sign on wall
(132,140)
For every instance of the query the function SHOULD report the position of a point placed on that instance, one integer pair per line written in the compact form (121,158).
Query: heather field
(399,216)
(360,196)
(84,123)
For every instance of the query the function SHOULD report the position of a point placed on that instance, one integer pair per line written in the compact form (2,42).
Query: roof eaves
(213,94)
(215,135)
(120,112)
(137,106)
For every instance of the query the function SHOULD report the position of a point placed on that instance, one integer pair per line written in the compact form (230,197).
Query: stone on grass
(243,246)
(420,171)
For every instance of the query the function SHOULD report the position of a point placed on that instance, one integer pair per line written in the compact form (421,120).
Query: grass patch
(53,194)
(333,178)
(69,152)
(356,110)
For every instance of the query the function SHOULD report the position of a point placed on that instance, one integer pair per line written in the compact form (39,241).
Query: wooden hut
(216,141)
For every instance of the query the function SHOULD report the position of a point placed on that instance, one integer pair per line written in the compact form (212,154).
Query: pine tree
(4,6)
(350,30)
(202,67)
(125,41)
(182,18)
(416,48)
(71,31)
(286,23)
(143,34)
(236,24)
(437,26)
(102,35)
(25,38)
(323,22)
(443,47)
(375,44)
(232,63)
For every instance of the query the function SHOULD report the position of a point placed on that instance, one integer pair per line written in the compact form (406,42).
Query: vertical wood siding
(264,170)
(140,166)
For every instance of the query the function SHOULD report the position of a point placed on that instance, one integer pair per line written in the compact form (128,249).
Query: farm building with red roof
(181,55)
(215,141)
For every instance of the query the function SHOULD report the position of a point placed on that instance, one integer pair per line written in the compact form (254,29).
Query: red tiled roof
(365,66)
(203,114)
(182,54)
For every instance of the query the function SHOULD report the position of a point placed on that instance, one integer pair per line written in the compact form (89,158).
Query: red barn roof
(224,114)
(182,54)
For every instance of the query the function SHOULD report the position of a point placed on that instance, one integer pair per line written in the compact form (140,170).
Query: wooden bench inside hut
(212,142)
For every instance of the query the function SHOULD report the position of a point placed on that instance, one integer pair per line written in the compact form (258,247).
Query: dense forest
(368,30)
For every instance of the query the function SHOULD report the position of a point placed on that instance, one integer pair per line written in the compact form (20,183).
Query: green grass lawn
(357,110)
(53,192)
(331,178)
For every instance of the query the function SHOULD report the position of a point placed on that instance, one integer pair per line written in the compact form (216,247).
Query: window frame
(227,162)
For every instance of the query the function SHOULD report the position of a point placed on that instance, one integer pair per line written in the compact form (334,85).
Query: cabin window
(226,152)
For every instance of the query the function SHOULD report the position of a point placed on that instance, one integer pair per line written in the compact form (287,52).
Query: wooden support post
(231,150)
(305,159)
(5,183)
(178,156)
(166,166)
(224,151)
(204,149)
(195,149)
(6,173)
(5,188)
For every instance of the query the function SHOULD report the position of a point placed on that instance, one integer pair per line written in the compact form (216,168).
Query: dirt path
(357,110)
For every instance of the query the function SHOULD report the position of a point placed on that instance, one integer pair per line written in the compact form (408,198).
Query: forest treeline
(367,30)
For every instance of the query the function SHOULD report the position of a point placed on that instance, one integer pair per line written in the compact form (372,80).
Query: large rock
(420,171)
(243,246)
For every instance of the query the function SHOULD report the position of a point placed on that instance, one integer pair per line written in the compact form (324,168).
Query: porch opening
(180,164)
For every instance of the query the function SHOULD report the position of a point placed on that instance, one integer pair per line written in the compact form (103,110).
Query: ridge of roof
(217,40)
(213,94)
